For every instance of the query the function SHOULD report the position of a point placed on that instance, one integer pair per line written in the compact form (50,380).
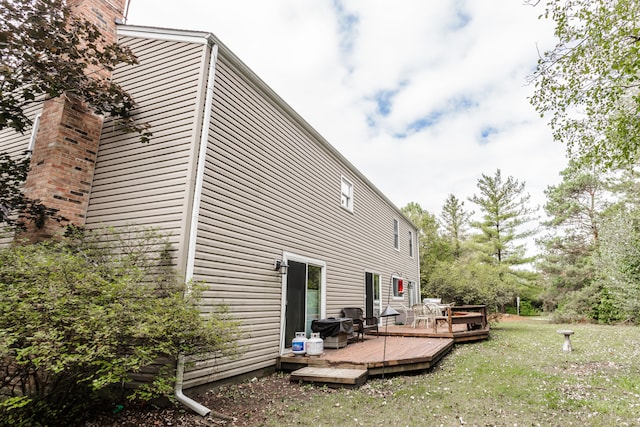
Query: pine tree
(505,215)
(455,221)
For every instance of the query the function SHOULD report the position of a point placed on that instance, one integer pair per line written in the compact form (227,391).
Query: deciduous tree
(47,51)
(433,247)
(589,82)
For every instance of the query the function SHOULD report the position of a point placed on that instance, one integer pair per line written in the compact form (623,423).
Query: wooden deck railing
(469,314)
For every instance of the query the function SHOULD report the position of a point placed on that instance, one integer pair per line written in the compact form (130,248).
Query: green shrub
(526,309)
(80,316)
(466,282)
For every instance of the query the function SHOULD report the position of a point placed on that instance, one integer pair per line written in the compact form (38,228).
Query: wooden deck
(395,349)
(402,354)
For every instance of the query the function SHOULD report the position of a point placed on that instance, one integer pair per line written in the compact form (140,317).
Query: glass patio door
(373,302)
(303,298)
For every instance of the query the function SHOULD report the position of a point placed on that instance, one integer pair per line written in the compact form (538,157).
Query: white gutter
(193,231)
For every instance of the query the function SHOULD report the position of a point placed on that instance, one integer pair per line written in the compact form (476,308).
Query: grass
(519,377)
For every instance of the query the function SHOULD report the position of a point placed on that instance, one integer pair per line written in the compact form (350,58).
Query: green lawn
(519,377)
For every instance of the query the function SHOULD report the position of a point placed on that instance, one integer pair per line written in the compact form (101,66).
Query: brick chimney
(66,145)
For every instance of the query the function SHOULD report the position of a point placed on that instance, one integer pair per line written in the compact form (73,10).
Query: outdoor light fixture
(389,311)
(280,266)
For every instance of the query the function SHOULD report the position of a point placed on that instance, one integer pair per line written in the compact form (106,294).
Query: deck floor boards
(395,349)
(407,349)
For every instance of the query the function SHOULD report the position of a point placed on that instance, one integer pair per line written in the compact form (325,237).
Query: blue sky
(422,96)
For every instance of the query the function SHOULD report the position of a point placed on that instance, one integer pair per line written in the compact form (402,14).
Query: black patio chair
(361,325)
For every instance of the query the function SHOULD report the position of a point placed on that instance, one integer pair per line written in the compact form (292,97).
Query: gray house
(260,208)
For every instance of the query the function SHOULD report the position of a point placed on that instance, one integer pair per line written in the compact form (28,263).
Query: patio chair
(421,314)
(407,314)
(361,324)
(437,313)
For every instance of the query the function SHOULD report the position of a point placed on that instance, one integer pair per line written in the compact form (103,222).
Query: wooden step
(332,376)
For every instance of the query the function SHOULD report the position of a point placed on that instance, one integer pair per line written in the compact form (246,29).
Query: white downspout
(180,397)
(193,232)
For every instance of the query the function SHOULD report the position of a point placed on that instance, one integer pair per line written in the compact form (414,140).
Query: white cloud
(466,60)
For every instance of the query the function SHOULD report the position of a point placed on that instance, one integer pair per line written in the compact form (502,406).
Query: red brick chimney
(66,145)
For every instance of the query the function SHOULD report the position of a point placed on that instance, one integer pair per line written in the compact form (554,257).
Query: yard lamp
(388,312)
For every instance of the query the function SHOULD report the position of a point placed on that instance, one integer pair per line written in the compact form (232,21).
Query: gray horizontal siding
(15,143)
(270,187)
(148,184)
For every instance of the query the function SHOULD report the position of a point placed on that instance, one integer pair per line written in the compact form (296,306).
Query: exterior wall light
(280,266)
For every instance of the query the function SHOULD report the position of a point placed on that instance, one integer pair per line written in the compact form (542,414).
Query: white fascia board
(165,34)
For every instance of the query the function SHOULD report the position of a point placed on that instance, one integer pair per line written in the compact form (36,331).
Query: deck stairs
(341,377)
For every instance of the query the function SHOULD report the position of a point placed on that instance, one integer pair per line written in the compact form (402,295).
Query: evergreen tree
(455,221)
(576,203)
(505,215)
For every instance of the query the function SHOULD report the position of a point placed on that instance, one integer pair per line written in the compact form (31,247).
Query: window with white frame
(346,196)
(411,243)
(396,234)
(413,292)
(398,287)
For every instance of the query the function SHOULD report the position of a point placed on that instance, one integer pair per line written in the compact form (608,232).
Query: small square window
(346,196)
(396,234)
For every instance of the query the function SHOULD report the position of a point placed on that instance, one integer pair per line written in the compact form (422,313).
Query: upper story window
(346,196)
(411,243)
(396,234)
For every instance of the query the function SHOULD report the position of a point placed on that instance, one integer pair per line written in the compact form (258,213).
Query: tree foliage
(433,247)
(47,51)
(575,205)
(472,282)
(575,208)
(455,220)
(618,263)
(80,317)
(505,215)
(589,82)
(589,261)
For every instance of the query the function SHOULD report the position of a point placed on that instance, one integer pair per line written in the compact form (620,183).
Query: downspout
(193,231)
(180,397)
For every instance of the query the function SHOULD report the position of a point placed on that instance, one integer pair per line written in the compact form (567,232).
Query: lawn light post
(388,312)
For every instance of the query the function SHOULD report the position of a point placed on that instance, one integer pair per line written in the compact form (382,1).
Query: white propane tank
(299,344)
(315,345)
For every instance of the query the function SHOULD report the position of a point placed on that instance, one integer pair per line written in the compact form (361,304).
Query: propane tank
(299,344)
(315,345)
